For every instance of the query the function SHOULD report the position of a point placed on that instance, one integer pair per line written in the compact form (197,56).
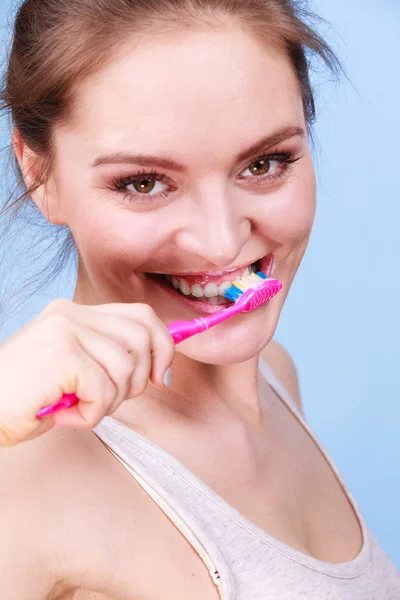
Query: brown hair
(57,43)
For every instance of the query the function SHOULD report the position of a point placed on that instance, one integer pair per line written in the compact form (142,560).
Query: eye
(269,169)
(262,166)
(146,185)
(146,189)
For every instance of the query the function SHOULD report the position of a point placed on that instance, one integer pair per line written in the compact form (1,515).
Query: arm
(19,578)
(23,570)
(283,366)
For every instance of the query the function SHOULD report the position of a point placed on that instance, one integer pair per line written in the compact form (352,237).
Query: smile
(207,288)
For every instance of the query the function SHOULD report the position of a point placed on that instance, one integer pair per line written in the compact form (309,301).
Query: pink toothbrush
(256,289)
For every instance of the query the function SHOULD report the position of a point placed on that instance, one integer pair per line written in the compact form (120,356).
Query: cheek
(109,237)
(106,232)
(288,215)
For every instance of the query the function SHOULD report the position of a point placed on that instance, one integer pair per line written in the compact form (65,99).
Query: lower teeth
(213,300)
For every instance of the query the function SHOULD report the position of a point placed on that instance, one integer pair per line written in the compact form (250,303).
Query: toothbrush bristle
(240,286)
(233,294)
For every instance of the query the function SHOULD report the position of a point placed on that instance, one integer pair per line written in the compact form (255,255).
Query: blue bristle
(233,293)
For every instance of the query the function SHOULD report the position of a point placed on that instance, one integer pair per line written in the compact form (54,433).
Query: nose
(216,231)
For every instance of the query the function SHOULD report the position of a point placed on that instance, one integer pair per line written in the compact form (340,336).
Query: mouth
(204,291)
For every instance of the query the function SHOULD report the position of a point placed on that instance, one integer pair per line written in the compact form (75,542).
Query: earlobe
(31,166)
(46,199)
(27,159)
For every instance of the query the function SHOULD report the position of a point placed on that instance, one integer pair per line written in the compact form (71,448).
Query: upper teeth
(210,290)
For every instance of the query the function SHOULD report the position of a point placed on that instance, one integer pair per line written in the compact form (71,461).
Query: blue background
(341,321)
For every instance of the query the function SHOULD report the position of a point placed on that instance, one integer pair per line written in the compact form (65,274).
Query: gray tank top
(245,562)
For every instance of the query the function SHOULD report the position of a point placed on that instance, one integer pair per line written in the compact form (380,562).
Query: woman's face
(178,163)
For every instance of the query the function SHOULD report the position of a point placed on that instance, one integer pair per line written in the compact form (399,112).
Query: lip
(200,274)
(267,263)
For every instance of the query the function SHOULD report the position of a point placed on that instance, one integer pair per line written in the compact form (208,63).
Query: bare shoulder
(280,361)
(65,501)
(38,480)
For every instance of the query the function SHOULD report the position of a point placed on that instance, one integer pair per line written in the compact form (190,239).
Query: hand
(104,354)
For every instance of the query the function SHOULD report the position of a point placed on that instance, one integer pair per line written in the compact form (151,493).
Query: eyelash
(119,184)
(286,160)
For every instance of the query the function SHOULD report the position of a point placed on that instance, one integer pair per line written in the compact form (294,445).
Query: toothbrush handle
(66,401)
(181,330)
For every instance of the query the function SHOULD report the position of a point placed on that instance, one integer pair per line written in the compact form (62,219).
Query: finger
(96,391)
(72,417)
(115,360)
(43,426)
(144,353)
(117,321)
(162,343)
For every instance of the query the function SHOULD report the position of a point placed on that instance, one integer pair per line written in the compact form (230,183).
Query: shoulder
(39,481)
(280,361)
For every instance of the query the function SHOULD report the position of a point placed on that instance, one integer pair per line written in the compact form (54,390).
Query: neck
(202,393)
(231,387)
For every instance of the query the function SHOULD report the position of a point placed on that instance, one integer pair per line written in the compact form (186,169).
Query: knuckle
(146,311)
(125,368)
(138,387)
(61,325)
(109,392)
(55,306)
(98,409)
(142,338)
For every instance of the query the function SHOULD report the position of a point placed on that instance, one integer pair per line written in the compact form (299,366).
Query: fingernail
(167,378)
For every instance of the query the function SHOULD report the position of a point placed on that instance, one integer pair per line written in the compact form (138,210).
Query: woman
(171,138)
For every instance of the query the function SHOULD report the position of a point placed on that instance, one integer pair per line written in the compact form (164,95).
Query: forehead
(199,86)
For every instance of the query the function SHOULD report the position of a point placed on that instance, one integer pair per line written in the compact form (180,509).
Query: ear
(31,165)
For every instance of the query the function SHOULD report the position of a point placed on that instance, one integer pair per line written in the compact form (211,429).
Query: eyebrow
(264,144)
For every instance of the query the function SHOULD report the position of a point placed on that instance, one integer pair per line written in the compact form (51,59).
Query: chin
(236,340)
